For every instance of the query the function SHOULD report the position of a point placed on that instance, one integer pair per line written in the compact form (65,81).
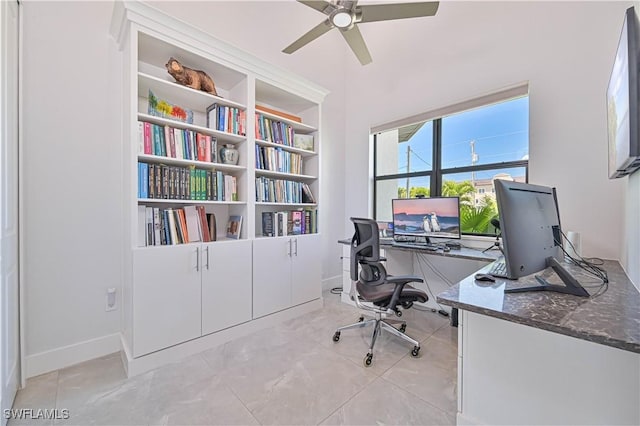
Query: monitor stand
(572,286)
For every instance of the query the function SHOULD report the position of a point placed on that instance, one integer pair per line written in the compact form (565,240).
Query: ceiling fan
(345,15)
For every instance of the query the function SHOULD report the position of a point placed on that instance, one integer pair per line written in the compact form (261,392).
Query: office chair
(385,293)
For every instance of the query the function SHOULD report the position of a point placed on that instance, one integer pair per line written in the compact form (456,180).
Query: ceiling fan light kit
(346,14)
(342,19)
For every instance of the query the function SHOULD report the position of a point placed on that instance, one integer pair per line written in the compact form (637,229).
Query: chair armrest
(399,279)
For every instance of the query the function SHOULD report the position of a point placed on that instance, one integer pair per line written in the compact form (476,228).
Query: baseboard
(462,420)
(329,283)
(65,356)
(135,366)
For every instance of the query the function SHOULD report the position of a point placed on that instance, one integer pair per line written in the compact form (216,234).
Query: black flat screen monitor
(423,218)
(531,235)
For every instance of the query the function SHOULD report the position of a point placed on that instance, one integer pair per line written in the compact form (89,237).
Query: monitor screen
(531,236)
(530,226)
(426,217)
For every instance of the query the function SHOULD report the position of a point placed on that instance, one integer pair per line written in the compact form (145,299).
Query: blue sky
(500,132)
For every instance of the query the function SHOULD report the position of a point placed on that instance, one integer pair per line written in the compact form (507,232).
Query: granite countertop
(463,253)
(612,319)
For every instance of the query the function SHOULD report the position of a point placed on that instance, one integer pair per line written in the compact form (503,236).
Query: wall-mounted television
(623,98)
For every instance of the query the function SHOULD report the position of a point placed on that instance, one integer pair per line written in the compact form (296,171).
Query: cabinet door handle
(296,241)
(289,243)
(207,258)
(198,259)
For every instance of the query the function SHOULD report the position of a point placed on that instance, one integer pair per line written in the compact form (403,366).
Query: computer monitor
(419,219)
(531,235)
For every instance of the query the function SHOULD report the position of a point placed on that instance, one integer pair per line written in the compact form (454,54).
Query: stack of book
(226,119)
(165,226)
(185,183)
(183,144)
(283,191)
(295,222)
(278,160)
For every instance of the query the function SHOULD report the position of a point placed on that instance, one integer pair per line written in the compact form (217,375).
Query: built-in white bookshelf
(177,297)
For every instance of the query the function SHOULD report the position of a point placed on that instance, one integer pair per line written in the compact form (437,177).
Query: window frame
(437,173)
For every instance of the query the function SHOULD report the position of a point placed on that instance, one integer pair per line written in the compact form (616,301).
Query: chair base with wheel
(376,292)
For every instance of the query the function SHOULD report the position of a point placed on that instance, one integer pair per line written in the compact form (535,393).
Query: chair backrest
(365,246)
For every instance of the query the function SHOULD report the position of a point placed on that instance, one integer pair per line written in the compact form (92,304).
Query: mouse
(484,277)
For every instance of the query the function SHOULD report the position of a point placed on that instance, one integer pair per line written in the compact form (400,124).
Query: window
(459,153)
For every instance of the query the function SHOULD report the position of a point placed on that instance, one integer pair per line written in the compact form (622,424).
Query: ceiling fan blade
(387,12)
(307,38)
(356,43)
(319,5)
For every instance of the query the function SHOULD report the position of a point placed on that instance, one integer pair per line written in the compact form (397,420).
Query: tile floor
(290,374)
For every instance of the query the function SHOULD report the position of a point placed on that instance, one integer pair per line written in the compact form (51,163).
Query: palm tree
(464,190)
(474,219)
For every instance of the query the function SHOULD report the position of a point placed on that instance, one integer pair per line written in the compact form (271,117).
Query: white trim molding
(66,356)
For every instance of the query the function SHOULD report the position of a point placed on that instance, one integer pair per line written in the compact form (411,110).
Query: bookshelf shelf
(187,202)
(200,164)
(297,127)
(222,136)
(303,152)
(265,203)
(282,175)
(183,96)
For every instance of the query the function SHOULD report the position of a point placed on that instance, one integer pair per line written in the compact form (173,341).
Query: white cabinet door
(166,297)
(306,276)
(271,275)
(226,284)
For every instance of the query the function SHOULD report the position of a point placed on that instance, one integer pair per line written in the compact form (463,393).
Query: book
(278,113)
(267,224)
(307,194)
(303,141)
(233,227)
(192,219)
(297,222)
(214,149)
(202,223)
(211,221)
(156,227)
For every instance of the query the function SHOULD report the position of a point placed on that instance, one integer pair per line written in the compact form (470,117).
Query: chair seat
(383,292)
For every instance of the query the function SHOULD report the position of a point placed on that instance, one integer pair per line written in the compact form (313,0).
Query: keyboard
(415,246)
(498,269)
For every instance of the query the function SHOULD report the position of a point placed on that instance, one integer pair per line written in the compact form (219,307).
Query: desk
(547,358)
(440,269)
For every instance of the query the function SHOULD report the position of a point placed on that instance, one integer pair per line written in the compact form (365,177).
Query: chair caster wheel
(403,328)
(368,359)
(336,336)
(361,319)
(415,352)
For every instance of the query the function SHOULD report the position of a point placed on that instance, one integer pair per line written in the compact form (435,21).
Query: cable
(336,290)
(590,265)
(426,281)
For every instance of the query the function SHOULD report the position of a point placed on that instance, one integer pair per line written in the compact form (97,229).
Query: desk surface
(612,318)
(463,253)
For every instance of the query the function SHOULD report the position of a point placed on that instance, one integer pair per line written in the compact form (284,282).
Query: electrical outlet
(111,300)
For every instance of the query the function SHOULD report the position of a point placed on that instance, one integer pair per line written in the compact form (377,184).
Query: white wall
(631,236)
(564,49)
(71,175)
